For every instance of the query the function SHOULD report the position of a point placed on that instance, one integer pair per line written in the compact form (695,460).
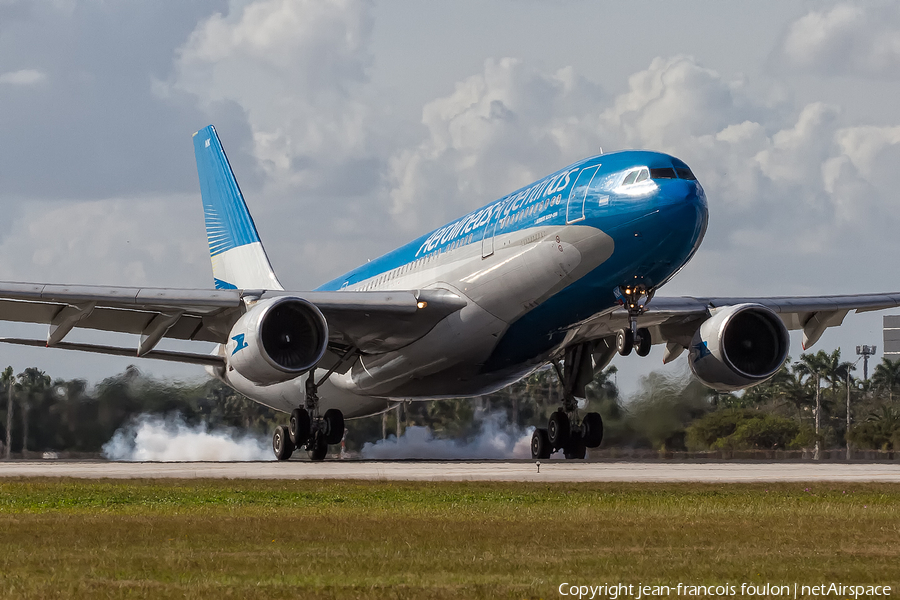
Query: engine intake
(738,347)
(277,340)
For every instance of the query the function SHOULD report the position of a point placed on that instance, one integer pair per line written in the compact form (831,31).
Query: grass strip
(354,539)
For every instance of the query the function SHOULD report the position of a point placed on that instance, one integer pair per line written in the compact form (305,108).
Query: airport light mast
(865,352)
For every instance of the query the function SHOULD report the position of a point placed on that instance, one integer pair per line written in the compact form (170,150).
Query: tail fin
(238,257)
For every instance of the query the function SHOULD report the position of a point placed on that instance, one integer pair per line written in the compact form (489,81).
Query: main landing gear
(308,429)
(571,437)
(565,430)
(634,299)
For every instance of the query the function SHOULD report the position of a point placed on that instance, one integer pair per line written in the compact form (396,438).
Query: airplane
(563,271)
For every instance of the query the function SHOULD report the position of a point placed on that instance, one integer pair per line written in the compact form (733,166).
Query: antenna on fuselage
(601,149)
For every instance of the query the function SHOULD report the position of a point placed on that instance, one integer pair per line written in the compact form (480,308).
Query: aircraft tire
(281,443)
(317,447)
(540,444)
(334,426)
(624,342)
(558,429)
(592,430)
(644,343)
(300,426)
(575,449)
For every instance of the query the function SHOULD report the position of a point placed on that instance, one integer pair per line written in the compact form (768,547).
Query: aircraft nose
(677,191)
(683,202)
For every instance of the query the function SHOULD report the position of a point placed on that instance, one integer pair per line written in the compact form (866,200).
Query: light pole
(865,352)
(847,435)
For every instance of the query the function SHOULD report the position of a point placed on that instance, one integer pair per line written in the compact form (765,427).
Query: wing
(674,321)
(367,321)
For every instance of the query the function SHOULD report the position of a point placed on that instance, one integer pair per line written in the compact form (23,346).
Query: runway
(522,471)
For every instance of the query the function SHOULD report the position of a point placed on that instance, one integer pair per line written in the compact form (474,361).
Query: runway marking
(551,471)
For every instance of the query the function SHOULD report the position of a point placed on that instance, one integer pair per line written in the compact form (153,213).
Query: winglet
(237,254)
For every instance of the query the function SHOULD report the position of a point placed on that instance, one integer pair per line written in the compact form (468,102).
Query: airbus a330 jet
(564,271)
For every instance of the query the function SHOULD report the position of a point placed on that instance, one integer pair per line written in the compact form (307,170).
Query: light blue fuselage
(650,230)
(530,265)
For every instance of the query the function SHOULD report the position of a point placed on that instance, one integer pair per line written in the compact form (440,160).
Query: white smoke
(494,440)
(170,439)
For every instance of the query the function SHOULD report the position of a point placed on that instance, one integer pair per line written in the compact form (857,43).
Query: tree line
(803,407)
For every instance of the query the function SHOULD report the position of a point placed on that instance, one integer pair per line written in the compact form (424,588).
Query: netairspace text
(613,591)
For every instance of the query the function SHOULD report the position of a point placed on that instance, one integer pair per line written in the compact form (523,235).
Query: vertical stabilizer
(238,257)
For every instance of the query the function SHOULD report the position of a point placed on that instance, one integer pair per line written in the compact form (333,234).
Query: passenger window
(630,179)
(643,176)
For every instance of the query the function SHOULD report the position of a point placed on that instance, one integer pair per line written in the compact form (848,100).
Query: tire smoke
(170,439)
(495,439)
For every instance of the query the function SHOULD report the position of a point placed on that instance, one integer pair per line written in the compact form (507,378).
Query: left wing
(367,321)
(674,321)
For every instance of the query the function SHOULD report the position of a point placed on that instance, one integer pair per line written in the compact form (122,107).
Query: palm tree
(33,382)
(888,417)
(789,386)
(816,367)
(7,380)
(887,376)
(784,385)
(837,372)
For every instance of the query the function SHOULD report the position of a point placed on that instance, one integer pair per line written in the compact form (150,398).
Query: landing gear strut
(634,298)
(565,430)
(307,429)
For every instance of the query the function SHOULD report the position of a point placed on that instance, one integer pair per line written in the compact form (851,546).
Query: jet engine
(277,340)
(738,347)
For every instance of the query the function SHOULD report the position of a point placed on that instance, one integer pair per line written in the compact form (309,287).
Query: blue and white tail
(238,257)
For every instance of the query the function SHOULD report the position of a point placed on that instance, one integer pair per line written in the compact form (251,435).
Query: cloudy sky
(356,125)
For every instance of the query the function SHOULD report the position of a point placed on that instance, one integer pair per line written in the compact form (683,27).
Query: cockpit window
(663,173)
(685,173)
(630,178)
(643,176)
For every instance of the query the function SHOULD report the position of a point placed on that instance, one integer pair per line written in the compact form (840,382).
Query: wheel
(644,342)
(281,443)
(575,449)
(334,426)
(540,444)
(317,447)
(300,426)
(558,429)
(592,430)
(624,342)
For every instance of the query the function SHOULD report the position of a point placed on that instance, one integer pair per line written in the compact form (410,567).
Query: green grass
(327,539)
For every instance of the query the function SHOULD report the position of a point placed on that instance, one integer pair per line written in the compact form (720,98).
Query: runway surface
(550,471)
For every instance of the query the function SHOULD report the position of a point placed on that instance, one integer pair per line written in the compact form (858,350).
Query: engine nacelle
(277,340)
(738,347)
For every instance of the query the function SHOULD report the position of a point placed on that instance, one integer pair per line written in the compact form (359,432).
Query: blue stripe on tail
(228,222)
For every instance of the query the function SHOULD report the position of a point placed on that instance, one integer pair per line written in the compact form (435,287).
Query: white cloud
(24,77)
(498,130)
(846,39)
(670,103)
(297,69)
(783,180)
(155,241)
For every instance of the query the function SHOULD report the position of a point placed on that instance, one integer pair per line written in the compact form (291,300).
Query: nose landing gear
(637,339)
(634,298)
